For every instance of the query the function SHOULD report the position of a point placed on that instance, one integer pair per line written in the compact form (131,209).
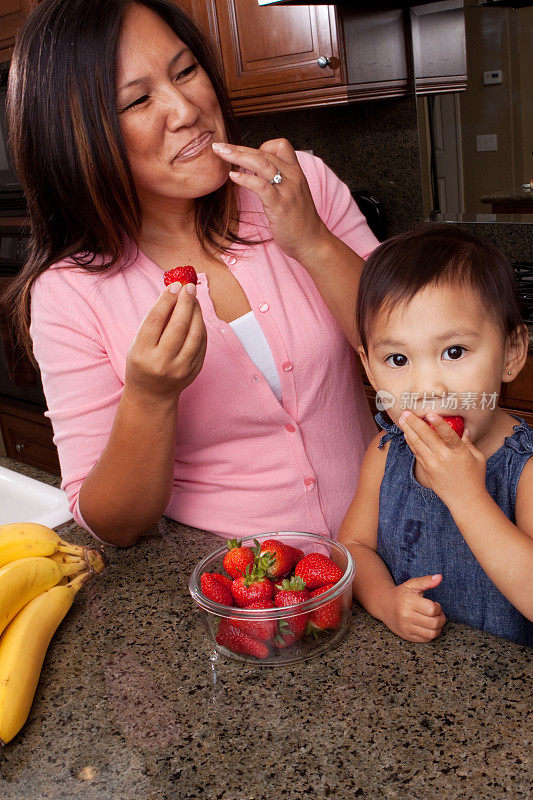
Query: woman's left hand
(453,467)
(288,204)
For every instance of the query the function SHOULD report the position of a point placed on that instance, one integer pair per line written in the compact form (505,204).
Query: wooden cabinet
(439,47)
(12,16)
(27,436)
(279,58)
(203,12)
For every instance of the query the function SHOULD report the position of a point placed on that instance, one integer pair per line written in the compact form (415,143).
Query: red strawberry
(240,642)
(223,579)
(181,274)
(327,616)
(318,570)
(291,629)
(254,587)
(278,557)
(457,424)
(238,558)
(264,630)
(215,590)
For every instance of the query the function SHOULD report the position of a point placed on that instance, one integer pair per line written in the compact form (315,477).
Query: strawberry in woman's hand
(240,642)
(317,570)
(181,275)
(457,424)
(215,590)
(279,558)
(238,558)
(327,616)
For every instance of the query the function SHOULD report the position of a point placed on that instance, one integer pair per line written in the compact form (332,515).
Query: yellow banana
(24,539)
(65,558)
(23,646)
(24,579)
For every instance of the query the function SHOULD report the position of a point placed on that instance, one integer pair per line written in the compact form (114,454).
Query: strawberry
(279,558)
(238,558)
(264,630)
(457,424)
(181,274)
(317,570)
(290,629)
(215,590)
(238,641)
(327,616)
(253,587)
(223,579)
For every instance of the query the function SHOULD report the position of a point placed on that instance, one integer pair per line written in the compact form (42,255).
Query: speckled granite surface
(510,196)
(132,703)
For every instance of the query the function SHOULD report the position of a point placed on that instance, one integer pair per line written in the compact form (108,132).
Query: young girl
(441,526)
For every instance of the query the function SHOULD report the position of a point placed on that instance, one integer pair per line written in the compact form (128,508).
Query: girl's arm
(402,608)
(455,470)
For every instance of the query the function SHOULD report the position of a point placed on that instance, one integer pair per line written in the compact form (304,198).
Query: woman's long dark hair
(67,145)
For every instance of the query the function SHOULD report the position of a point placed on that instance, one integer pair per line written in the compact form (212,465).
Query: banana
(22,580)
(23,646)
(24,539)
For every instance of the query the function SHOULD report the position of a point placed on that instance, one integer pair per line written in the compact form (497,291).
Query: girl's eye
(454,352)
(397,360)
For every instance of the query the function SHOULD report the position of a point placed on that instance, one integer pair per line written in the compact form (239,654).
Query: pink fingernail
(174,288)
(191,289)
(222,147)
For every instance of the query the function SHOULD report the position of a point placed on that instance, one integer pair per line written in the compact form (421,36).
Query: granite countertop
(509,196)
(134,703)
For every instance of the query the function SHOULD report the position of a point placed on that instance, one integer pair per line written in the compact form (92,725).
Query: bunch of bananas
(39,577)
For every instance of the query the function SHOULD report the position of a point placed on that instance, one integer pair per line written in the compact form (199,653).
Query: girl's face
(169,113)
(439,348)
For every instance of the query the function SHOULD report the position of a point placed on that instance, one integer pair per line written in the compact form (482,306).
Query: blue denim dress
(417,535)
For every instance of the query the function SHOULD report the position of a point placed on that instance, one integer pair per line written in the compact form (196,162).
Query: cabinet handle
(19,447)
(324,61)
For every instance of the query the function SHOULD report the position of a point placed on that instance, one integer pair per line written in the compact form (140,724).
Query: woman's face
(169,113)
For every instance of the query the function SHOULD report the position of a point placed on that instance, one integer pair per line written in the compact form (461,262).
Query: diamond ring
(276,178)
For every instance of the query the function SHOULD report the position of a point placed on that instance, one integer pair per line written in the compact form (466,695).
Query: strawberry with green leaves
(252,587)
(238,558)
(279,558)
(215,590)
(317,570)
(328,616)
(235,639)
(291,593)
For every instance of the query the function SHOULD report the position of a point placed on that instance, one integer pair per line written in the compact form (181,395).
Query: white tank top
(252,338)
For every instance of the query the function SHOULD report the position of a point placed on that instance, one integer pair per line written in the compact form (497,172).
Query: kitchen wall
(372,146)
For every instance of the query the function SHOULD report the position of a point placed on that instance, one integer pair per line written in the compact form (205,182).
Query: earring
(509,372)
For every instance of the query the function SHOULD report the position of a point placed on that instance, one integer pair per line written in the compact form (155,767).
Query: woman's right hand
(411,615)
(169,349)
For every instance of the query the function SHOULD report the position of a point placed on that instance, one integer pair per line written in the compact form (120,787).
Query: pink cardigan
(244,463)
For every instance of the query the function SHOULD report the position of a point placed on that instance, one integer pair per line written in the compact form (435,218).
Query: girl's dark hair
(434,254)
(67,145)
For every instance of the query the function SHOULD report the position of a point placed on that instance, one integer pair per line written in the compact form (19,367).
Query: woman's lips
(194,148)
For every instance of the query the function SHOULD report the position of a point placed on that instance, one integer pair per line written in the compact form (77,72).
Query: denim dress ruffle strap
(417,535)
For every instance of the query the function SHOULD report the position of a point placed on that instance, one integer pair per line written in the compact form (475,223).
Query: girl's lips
(194,148)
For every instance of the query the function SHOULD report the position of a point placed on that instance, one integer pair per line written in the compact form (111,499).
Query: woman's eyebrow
(145,78)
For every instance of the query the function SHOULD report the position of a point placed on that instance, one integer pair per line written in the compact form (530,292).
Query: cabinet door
(203,12)
(12,16)
(439,47)
(272,50)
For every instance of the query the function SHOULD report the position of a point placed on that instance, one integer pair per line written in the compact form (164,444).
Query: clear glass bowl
(312,644)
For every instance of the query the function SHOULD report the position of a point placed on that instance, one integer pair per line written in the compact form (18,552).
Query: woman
(228,407)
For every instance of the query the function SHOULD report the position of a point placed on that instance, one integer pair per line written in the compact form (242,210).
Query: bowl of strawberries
(276,598)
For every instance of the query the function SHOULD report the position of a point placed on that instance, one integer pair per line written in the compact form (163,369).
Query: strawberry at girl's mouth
(456,423)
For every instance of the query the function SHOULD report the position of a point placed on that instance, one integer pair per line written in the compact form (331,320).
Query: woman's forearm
(129,487)
(336,270)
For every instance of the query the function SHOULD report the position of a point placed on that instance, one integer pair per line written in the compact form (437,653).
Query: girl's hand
(413,616)
(453,467)
(288,205)
(169,349)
